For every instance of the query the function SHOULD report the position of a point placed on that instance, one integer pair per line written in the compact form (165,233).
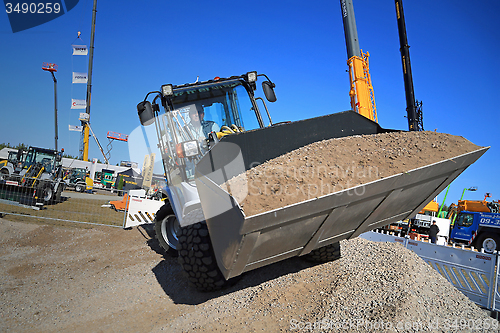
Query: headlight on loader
(252,76)
(167,90)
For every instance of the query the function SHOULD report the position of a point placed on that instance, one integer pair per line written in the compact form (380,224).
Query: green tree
(21,146)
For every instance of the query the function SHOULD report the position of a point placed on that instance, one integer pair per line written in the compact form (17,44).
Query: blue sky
(140,45)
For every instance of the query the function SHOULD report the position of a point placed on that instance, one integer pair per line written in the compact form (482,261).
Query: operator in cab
(198,125)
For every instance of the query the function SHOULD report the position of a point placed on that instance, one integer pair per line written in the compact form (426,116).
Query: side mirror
(145,112)
(268,88)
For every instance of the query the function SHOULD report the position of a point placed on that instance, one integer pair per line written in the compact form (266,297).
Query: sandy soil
(104,279)
(334,165)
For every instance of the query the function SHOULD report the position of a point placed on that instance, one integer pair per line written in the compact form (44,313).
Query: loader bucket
(243,243)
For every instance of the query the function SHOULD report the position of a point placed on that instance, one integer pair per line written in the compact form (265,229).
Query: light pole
(52,68)
(472,189)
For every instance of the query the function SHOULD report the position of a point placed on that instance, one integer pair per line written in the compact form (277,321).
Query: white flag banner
(84,116)
(78,104)
(75,128)
(79,77)
(80,49)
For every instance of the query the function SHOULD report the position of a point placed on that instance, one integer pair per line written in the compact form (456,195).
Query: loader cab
(76,175)
(194,118)
(14,162)
(48,158)
(199,115)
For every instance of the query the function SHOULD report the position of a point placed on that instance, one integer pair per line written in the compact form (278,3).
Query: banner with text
(80,49)
(75,128)
(79,77)
(78,104)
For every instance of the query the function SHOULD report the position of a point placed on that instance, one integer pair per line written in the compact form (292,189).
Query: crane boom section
(361,89)
(361,92)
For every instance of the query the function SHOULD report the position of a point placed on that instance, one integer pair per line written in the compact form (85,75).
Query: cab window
(464,220)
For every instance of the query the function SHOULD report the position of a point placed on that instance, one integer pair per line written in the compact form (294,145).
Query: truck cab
(477,228)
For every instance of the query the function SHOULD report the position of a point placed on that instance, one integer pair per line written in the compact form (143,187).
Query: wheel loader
(37,181)
(13,163)
(209,132)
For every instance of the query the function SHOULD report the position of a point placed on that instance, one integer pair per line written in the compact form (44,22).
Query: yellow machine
(361,92)
(361,88)
(479,206)
(432,207)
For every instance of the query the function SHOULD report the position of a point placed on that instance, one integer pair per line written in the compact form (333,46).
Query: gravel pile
(373,287)
(334,165)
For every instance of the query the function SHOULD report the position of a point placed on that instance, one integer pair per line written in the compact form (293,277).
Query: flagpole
(86,134)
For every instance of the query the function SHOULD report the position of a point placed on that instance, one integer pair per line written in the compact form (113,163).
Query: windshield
(12,157)
(464,220)
(197,111)
(47,160)
(225,104)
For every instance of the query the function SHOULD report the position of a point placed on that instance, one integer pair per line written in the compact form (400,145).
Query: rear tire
(324,254)
(197,258)
(167,229)
(489,242)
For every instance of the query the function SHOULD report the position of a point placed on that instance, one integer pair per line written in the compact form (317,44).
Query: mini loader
(212,131)
(38,181)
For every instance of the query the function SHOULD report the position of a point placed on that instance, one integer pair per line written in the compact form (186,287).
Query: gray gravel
(374,287)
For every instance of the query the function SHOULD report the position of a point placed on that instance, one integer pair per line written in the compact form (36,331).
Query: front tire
(167,229)
(489,242)
(324,254)
(197,258)
(80,188)
(45,193)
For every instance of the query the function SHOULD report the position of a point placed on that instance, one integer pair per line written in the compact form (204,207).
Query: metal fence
(21,199)
(475,274)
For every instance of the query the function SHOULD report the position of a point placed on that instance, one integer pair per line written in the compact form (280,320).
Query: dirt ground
(103,279)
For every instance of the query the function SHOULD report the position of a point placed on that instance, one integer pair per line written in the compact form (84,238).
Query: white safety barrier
(475,274)
(141,211)
(496,293)
(380,237)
